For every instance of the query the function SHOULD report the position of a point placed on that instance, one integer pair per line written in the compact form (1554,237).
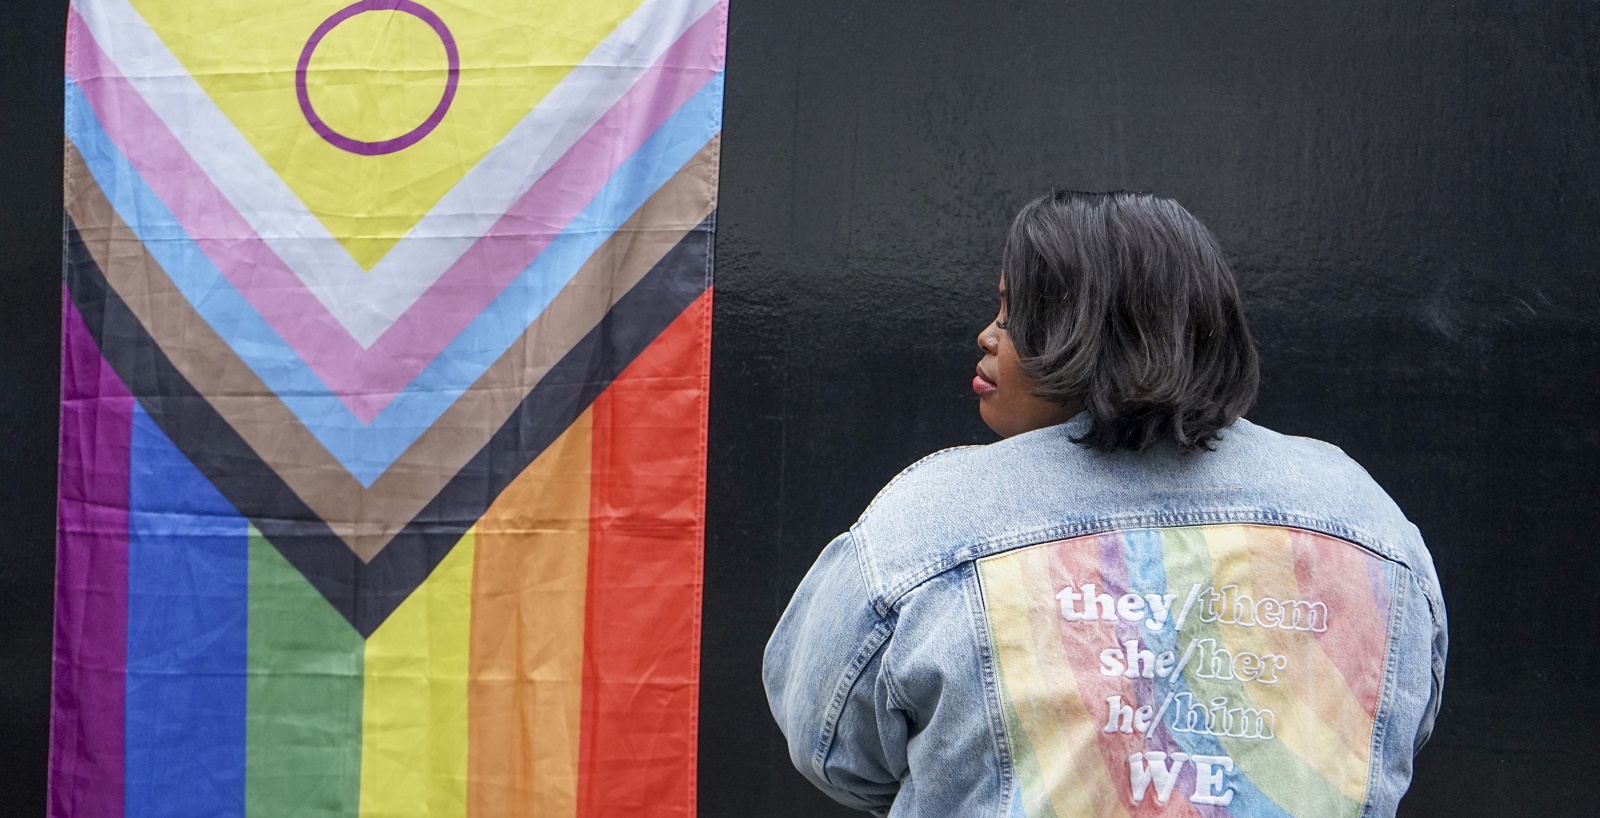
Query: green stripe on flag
(304,714)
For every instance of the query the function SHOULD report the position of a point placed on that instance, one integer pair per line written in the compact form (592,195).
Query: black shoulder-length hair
(1123,302)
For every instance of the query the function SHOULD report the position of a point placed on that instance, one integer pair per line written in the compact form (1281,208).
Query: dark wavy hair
(1124,302)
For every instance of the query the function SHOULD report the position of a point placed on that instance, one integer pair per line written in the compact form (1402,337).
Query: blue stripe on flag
(188,597)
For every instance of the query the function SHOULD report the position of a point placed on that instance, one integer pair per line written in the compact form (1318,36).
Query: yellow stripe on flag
(414,717)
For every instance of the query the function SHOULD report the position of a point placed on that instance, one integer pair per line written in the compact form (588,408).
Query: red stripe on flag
(642,622)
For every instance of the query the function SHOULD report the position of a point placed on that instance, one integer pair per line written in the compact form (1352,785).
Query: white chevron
(367,303)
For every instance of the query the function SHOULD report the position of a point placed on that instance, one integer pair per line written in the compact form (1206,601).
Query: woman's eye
(1000,323)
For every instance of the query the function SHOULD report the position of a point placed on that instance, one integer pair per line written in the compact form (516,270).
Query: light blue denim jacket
(1031,628)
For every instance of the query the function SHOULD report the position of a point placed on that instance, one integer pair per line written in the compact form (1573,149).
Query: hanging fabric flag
(384,382)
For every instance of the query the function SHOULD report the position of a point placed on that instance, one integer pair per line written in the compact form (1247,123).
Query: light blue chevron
(368,449)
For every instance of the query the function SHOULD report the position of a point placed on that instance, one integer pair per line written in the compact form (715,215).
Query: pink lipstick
(983,386)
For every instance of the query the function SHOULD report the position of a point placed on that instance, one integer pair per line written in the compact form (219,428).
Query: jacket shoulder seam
(869,567)
(888,487)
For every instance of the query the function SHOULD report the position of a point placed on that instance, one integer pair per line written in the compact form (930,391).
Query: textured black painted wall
(1408,190)
(31,36)
(1409,193)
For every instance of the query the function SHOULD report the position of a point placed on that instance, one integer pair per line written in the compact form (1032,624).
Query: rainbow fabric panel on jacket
(1206,671)
(385,343)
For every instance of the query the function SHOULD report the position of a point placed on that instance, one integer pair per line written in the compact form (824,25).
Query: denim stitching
(1430,711)
(898,699)
(847,683)
(1434,599)
(907,470)
(1380,721)
(869,571)
(999,733)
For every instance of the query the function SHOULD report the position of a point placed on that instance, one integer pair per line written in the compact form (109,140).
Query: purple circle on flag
(408,138)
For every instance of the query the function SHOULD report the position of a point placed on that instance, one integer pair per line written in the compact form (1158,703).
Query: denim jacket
(1031,628)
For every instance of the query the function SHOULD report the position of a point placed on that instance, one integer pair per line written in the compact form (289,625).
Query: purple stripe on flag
(87,700)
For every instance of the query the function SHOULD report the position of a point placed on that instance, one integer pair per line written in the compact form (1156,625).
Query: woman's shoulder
(949,480)
(937,511)
(961,503)
(934,471)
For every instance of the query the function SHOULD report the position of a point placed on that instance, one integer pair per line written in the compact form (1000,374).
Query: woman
(1137,602)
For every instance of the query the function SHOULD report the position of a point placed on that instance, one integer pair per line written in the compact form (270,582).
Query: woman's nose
(987,339)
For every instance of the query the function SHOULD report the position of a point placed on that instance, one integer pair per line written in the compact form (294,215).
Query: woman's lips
(982,385)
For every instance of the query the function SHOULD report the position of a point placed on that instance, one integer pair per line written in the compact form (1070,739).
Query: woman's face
(1005,394)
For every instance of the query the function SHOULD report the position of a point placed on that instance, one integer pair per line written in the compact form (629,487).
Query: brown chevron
(367,518)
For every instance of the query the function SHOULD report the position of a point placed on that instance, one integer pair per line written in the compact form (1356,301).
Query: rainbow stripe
(1285,629)
(382,470)
(546,666)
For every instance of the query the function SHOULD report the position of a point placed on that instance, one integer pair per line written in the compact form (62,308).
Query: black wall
(31,43)
(1409,193)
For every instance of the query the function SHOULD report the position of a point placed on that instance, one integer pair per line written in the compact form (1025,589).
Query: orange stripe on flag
(642,632)
(528,590)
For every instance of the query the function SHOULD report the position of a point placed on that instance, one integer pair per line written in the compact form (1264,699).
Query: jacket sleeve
(826,686)
(1440,642)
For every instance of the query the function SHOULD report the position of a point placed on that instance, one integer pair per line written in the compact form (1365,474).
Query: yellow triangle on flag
(376,76)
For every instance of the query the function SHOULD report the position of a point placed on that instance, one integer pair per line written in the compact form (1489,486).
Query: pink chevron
(366,380)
